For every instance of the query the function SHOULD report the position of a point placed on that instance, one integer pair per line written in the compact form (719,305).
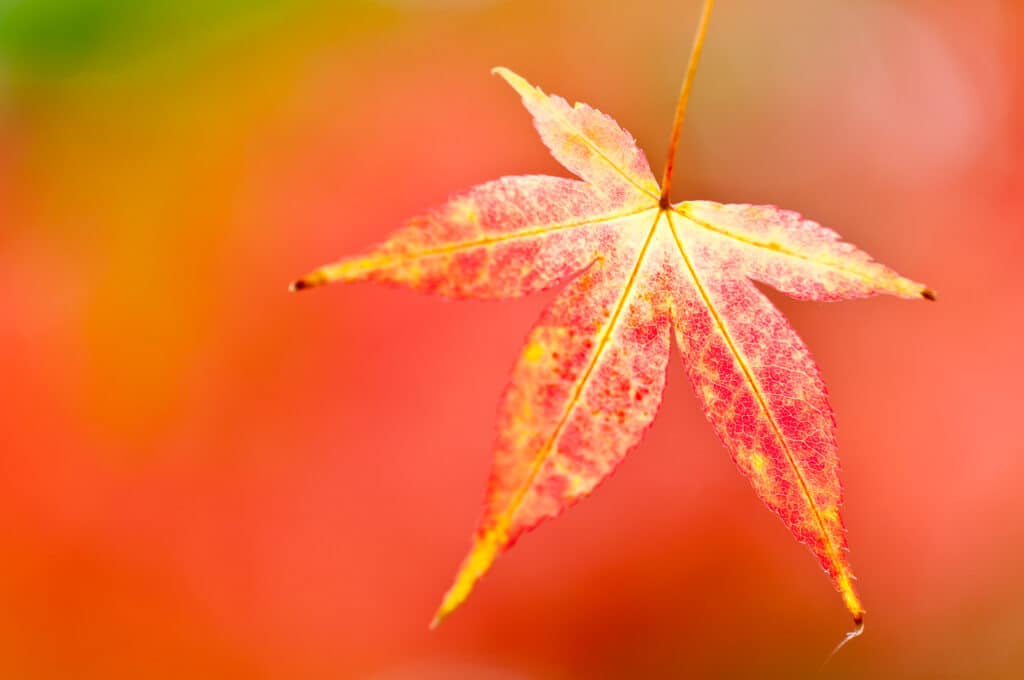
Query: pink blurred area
(205,476)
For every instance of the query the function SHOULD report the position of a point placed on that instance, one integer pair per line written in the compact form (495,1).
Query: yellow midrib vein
(576,132)
(505,519)
(755,387)
(835,266)
(392,260)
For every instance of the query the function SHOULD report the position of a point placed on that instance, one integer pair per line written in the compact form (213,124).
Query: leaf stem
(684,96)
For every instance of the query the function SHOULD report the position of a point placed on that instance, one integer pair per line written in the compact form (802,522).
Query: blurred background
(204,476)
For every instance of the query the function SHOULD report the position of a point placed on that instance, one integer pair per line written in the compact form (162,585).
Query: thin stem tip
(684,96)
(858,630)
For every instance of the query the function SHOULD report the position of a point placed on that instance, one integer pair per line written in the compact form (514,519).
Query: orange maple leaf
(640,268)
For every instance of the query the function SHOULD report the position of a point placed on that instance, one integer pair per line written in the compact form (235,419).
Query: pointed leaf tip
(588,143)
(858,630)
(518,83)
(318,278)
(476,564)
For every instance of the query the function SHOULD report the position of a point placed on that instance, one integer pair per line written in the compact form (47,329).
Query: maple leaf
(640,270)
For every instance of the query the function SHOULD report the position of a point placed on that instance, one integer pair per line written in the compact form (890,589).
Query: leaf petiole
(684,96)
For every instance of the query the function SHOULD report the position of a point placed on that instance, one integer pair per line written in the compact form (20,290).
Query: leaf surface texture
(637,273)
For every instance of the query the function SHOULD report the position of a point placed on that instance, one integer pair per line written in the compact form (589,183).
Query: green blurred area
(45,39)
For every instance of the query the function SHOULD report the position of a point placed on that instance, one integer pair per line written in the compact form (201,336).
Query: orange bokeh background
(204,476)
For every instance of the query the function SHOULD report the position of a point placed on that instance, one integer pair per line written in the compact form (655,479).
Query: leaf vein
(775,248)
(506,516)
(396,259)
(759,396)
